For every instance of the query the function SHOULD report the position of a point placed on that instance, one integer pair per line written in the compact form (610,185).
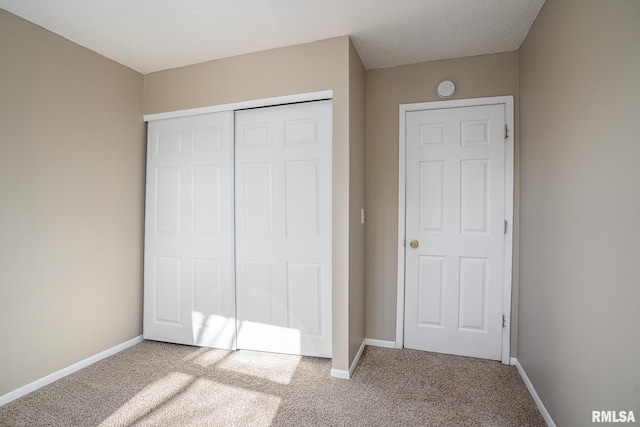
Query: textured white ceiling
(153,35)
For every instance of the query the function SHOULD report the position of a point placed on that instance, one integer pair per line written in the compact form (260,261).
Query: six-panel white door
(283,228)
(455,211)
(189,294)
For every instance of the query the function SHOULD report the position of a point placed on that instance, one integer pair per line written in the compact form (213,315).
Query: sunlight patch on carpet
(210,358)
(179,399)
(278,368)
(149,399)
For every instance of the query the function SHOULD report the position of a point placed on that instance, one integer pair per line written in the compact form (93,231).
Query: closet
(238,229)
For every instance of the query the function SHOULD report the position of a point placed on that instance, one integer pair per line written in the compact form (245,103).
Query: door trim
(507,101)
(241,105)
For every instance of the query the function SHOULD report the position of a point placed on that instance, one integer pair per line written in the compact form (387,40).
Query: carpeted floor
(158,384)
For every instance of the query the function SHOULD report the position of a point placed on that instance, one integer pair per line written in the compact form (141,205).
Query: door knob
(414,244)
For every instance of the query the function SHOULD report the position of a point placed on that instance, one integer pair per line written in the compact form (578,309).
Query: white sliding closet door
(188,274)
(283,228)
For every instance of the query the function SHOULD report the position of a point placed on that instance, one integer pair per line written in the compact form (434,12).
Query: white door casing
(283,228)
(188,272)
(458,189)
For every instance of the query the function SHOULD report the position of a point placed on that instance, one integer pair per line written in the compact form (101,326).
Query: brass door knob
(414,244)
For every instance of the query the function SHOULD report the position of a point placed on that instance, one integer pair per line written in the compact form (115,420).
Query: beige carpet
(157,384)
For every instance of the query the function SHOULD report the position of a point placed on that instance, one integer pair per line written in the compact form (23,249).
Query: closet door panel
(283,234)
(189,274)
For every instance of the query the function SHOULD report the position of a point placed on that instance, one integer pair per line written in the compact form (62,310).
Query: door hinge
(504,321)
(506,132)
(505,226)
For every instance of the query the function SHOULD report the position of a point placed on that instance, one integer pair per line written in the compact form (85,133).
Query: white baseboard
(380,343)
(513,361)
(536,398)
(24,390)
(345,375)
(340,373)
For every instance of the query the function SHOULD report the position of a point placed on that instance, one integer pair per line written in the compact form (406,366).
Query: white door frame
(507,101)
(233,106)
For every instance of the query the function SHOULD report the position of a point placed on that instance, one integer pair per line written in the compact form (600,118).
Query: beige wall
(580,238)
(71,203)
(356,202)
(386,89)
(291,70)
(303,68)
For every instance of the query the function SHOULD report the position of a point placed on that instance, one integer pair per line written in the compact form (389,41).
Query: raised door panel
(430,291)
(473,294)
(255,288)
(254,198)
(474,187)
(432,195)
(208,286)
(207,199)
(167,279)
(305,308)
(302,199)
(168,195)
(168,142)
